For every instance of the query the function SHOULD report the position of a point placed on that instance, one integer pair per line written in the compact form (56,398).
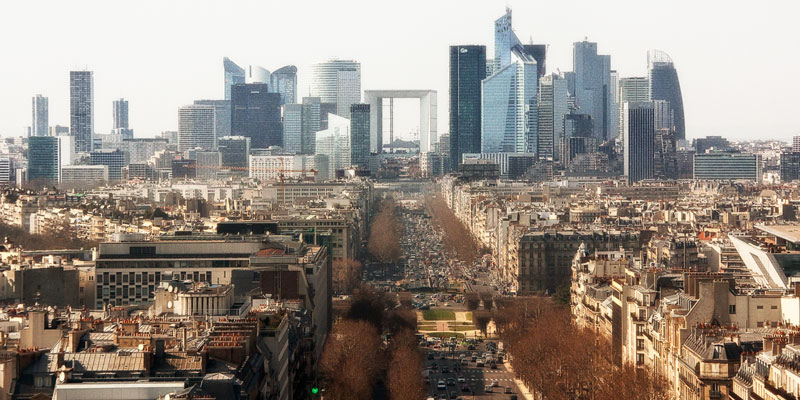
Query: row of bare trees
(355,358)
(457,238)
(559,360)
(346,274)
(385,232)
(58,235)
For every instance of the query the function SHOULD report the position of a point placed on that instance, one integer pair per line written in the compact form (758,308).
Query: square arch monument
(428,114)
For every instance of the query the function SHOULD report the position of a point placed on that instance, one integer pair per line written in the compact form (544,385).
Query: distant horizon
(159,70)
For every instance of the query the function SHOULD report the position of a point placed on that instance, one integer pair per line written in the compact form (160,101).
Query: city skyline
(170,72)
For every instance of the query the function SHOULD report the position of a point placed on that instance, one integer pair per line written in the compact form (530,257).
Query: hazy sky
(737,61)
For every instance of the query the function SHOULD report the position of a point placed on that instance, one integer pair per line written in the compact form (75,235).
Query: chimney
(59,359)
(796,289)
(767,343)
(73,340)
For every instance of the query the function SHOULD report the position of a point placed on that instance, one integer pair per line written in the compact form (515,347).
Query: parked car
(441,385)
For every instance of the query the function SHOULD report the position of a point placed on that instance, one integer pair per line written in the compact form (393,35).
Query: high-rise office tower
(256,113)
(234,75)
(509,111)
(614,117)
(222,115)
(553,106)
(310,124)
(81,109)
(639,141)
(293,128)
(505,39)
(467,70)
(795,144)
(196,127)
(334,145)
(359,135)
(337,81)
(632,90)
(664,85)
(234,151)
(257,74)
(120,119)
(40,122)
(593,87)
(43,163)
(113,159)
(284,82)
(664,117)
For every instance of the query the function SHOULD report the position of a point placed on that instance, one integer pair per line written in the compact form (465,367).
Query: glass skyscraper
(553,106)
(509,116)
(284,82)
(256,113)
(40,122)
(593,88)
(337,81)
(81,109)
(293,128)
(234,75)
(43,162)
(334,145)
(359,135)
(196,127)
(467,70)
(639,141)
(664,85)
(222,115)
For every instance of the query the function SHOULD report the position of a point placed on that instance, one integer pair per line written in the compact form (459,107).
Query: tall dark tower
(256,114)
(639,130)
(467,70)
(81,109)
(664,85)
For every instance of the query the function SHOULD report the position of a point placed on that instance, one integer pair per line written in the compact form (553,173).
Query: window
(732,309)
(759,324)
(774,307)
(143,251)
(759,307)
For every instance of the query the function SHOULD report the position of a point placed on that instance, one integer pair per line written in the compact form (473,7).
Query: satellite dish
(62,376)
(171,288)
(141,347)
(169,304)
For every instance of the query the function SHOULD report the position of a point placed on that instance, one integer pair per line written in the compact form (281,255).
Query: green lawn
(437,315)
(426,328)
(445,334)
(463,328)
(468,316)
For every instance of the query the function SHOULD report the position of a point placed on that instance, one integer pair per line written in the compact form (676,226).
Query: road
(475,378)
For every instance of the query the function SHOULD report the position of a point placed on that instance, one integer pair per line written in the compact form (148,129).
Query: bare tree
(346,274)
(472,301)
(457,238)
(352,360)
(383,242)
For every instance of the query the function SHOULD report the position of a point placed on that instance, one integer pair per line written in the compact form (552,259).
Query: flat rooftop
(789,233)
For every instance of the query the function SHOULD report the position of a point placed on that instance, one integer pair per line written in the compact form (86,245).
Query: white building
(337,81)
(272,167)
(334,143)
(84,174)
(196,127)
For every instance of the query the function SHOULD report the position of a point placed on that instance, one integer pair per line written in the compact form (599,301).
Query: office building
(234,151)
(113,159)
(428,111)
(208,163)
(222,115)
(632,90)
(727,166)
(511,165)
(43,166)
(664,85)
(40,121)
(639,141)
(467,70)
(256,113)
(196,124)
(282,166)
(334,143)
(717,143)
(293,128)
(508,107)
(593,87)
(256,74)
(66,150)
(84,174)
(359,135)
(59,130)
(337,81)
(81,109)
(120,119)
(790,166)
(664,116)
(284,82)
(553,107)
(795,144)
(234,75)
(312,119)
(183,168)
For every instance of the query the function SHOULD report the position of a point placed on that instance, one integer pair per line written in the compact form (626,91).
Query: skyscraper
(593,87)
(310,125)
(664,85)
(284,82)
(359,135)
(120,116)
(632,90)
(113,159)
(40,122)
(257,74)
(196,127)
(81,109)
(222,115)
(639,141)
(234,75)
(43,159)
(334,144)
(509,111)
(293,128)
(234,151)
(256,113)
(553,106)
(467,70)
(337,81)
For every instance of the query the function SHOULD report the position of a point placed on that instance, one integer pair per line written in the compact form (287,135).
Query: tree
(383,241)
(368,305)
(404,379)
(457,238)
(472,301)
(346,274)
(401,319)
(487,300)
(352,360)
(481,320)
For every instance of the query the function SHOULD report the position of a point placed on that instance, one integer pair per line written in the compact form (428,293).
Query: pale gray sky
(737,61)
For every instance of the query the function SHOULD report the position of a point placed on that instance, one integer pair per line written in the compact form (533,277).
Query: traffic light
(314,390)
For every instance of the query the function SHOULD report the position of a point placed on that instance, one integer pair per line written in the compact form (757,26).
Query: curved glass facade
(664,85)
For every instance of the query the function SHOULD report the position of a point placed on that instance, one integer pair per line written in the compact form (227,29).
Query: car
(479,363)
(441,385)
(487,388)
(451,382)
(493,365)
(442,356)
(465,388)
(453,395)
(471,347)
(445,369)
(430,356)
(495,383)
(512,397)
(442,397)
(461,379)
(464,361)
(473,358)
(507,390)
(434,366)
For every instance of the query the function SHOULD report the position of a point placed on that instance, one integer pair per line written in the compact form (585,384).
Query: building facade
(196,127)
(728,166)
(337,81)
(256,113)
(81,109)
(639,141)
(664,85)
(359,135)
(467,70)
(40,119)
